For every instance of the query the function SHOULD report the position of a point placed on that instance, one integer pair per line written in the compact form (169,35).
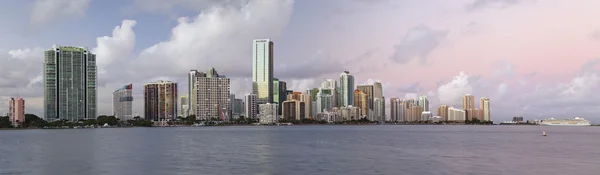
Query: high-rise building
(160,101)
(402,110)
(279,93)
(394,109)
(485,108)
(346,89)
(192,91)
(268,114)
(360,101)
(70,84)
(469,106)
(237,107)
(442,111)
(377,90)
(367,89)
(262,70)
(212,96)
(424,102)
(122,103)
(184,107)
(330,87)
(379,109)
(251,106)
(324,102)
(455,114)
(306,98)
(294,110)
(16,111)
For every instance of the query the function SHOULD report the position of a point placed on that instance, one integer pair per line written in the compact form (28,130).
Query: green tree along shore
(33,121)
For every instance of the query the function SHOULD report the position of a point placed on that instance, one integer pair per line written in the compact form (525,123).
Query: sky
(532,58)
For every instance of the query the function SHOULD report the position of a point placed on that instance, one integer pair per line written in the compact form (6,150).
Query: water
(426,150)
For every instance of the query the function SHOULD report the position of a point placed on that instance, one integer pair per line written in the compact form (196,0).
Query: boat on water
(577,121)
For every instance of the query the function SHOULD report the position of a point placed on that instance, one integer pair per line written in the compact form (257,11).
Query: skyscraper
(16,111)
(192,91)
(360,101)
(377,90)
(122,103)
(70,84)
(251,106)
(185,107)
(330,87)
(424,102)
(485,108)
(346,89)
(160,101)
(394,110)
(469,106)
(324,102)
(442,111)
(378,109)
(279,93)
(212,96)
(367,89)
(262,70)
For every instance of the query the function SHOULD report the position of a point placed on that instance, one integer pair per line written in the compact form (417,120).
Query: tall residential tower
(70,84)
(160,101)
(346,89)
(262,70)
(122,103)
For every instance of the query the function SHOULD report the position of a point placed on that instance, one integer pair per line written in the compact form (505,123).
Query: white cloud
(209,39)
(113,51)
(44,11)
(452,92)
(418,43)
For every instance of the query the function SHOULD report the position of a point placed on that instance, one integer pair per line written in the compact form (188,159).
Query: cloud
(320,64)
(452,92)
(503,68)
(44,11)
(21,76)
(173,6)
(113,51)
(482,4)
(209,39)
(418,43)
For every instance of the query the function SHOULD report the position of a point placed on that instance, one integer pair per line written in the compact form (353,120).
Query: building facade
(262,70)
(279,93)
(469,106)
(268,114)
(122,103)
(368,90)
(160,101)
(361,101)
(70,84)
(457,115)
(251,106)
(330,86)
(192,91)
(442,111)
(394,112)
(424,102)
(16,111)
(212,96)
(184,110)
(379,114)
(485,107)
(346,89)
(294,110)
(325,102)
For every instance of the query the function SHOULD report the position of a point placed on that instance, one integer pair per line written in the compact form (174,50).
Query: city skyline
(411,56)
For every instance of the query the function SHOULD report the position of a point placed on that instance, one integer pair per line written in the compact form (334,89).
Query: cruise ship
(577,121)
